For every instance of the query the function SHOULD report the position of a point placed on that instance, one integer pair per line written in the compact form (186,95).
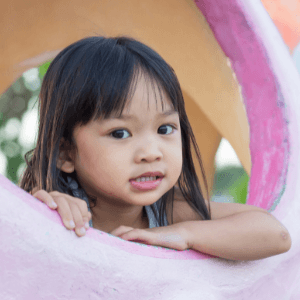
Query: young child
(109,154)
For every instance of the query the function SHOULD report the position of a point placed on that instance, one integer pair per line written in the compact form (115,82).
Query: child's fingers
(43,196)
(73,211)
(65,212)
(86,215)
(79,220)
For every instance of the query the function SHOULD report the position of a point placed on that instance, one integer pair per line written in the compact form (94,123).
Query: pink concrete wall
(40,259)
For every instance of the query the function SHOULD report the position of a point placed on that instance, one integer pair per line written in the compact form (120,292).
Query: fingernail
(53,204)
(72,224)
(86,225)
(82,230)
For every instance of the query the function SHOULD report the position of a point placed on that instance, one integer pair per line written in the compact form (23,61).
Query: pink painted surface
(40,259)
(269,146)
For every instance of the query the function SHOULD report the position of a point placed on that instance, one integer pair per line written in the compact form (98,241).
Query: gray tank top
(80,193)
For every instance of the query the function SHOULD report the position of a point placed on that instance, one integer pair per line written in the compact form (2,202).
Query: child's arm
(73,211)
(248,235)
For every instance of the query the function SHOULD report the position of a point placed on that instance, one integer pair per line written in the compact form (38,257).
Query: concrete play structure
(239,82)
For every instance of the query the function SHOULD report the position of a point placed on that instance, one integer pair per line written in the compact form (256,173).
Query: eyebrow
(126,117)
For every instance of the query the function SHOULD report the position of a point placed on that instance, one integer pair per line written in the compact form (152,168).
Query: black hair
(92,78)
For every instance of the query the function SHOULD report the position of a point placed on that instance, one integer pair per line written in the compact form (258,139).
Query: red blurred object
(286,16)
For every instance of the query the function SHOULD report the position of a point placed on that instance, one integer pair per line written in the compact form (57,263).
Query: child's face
(104,164)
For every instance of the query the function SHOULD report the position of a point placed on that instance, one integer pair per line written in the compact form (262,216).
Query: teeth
(142,179)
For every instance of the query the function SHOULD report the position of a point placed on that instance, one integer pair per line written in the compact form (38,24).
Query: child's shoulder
(183,212)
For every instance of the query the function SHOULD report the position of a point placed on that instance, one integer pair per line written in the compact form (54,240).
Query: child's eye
(118,134)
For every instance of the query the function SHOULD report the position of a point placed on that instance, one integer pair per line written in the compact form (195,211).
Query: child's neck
(107,219)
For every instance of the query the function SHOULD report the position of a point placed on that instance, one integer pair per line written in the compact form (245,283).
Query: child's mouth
(146,179)
(146,184)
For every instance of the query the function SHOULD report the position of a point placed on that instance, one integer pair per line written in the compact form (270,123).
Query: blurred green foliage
(43,69)
(229,183)
(14,104)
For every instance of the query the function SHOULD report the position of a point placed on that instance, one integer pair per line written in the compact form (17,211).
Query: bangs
(109,106)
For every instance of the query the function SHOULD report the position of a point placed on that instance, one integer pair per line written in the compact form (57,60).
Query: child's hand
(172,236)
(73,211)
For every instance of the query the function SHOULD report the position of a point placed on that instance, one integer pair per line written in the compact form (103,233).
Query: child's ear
(65,160)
